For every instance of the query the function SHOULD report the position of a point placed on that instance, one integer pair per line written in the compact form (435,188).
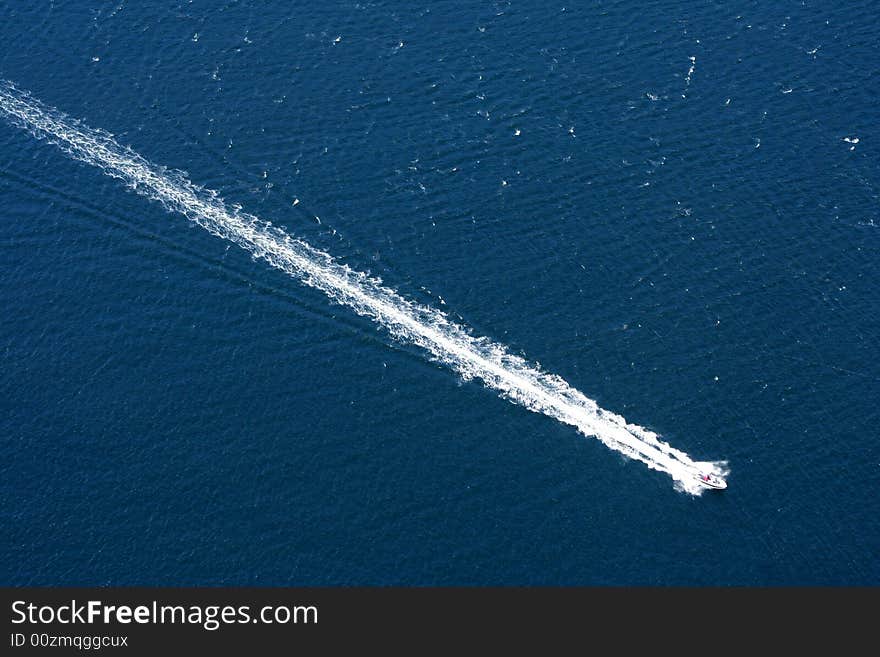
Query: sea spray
(452,344)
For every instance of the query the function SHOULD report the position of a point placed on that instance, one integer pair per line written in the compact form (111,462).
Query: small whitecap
(851,140)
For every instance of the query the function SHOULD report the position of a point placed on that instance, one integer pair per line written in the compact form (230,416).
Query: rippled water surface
(673,209)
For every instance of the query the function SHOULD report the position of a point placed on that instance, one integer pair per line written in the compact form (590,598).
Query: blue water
(658,204)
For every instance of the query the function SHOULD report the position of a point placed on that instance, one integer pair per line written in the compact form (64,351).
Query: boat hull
(715,483)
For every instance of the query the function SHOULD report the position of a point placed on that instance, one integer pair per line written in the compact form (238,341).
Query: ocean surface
(675,209)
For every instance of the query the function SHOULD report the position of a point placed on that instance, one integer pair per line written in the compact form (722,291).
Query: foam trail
(514,378)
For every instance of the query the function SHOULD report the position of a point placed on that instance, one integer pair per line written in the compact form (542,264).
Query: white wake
(472,357)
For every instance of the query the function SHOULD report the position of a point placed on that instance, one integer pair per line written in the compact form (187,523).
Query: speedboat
(710,480)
